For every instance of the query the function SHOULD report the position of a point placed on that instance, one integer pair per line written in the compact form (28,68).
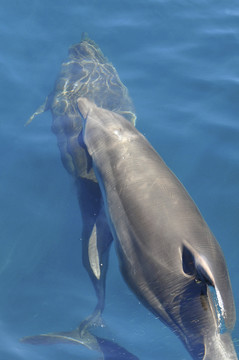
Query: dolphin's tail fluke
(82,336)
(74,337)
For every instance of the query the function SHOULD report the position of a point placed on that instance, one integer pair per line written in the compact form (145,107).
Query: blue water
(180,62)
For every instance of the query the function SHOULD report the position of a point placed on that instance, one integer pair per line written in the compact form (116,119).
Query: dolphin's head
(86,49)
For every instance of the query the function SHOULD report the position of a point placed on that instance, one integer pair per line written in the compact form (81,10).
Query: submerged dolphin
(87,73)
(167,254)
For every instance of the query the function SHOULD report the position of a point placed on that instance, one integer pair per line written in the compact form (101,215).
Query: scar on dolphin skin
(169,262)
(86,73)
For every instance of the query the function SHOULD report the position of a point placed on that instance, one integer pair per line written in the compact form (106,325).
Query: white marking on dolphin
(168,255)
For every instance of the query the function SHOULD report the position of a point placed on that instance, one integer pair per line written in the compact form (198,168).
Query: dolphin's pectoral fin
(99,244)
(94,254)
(97,255)
(41,109)
(96,237)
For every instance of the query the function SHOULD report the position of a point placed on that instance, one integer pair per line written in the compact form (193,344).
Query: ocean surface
(180,63)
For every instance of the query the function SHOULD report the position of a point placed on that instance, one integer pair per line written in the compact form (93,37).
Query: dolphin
(87,73)
(167,253)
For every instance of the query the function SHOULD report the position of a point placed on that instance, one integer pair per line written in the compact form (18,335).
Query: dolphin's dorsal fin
(197,265)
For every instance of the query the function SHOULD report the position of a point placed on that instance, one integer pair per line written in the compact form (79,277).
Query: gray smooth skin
(168,256)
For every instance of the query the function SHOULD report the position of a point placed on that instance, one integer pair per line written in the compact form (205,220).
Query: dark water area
(179,61)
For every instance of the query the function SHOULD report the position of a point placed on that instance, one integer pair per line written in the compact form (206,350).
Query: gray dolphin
(86,73)
(168,255)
